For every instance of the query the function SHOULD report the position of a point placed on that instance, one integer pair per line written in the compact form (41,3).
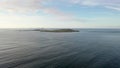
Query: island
(56,30)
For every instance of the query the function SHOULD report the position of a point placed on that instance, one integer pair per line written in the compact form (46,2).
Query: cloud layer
(36,5)
(110,4)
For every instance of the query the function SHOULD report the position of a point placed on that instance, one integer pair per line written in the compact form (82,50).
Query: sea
(89,48)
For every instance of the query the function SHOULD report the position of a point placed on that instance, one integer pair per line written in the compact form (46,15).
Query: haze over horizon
(59,13)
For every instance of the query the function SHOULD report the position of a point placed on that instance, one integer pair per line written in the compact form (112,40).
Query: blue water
(89,48)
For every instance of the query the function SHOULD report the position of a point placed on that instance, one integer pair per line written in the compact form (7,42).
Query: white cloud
(110,4)
(114,8)
(24,6)
(32,6)
(97,2)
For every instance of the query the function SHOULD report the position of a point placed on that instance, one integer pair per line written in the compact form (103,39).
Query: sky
(59,13)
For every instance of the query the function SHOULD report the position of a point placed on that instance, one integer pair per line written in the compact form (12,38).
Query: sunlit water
(97,48)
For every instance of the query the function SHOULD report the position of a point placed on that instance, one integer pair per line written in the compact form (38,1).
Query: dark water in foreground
(85,49)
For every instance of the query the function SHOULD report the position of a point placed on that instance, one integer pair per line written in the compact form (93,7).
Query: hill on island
(56,30)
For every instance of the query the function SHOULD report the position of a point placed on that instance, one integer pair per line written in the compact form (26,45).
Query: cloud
(84,2)
(96,2)
(109,4)
(24,6)
(21,5)
(114,8)
(33,6)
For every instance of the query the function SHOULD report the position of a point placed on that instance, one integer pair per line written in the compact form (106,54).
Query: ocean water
(89,48)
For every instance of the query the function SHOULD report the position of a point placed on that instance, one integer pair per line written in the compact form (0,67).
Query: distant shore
(54,30)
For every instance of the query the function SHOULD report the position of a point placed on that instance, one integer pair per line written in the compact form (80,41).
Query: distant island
(56,30)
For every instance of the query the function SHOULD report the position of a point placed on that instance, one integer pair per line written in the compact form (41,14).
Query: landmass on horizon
(54,30)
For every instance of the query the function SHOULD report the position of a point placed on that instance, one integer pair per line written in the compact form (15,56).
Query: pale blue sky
(59,13)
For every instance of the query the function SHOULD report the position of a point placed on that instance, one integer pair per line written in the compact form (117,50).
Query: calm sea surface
(89,48)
